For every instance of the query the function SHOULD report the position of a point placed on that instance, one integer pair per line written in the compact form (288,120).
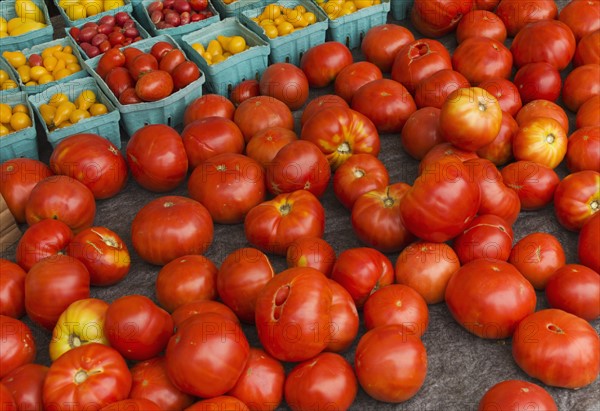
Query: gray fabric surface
(461,367)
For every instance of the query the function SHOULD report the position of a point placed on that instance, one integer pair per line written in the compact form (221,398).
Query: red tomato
(382,42)
(186,279)
(341,132)
(583,149)
(481,58)
(507,394)
(210,136)
(93,375)
(537,256)
(362,271)
(480,23)
(18,177)
(12,289)
(61,198)
(242,275)
(358,175)
(542,140)
(505,92)
(575,289)
(16,344)
(427,268)
(534,183)
(432,91)
(130,54)
(274,225)
(293,314)
(140,64)
(421,132)
(154,85)
(557,348)
(580,85)
(43,239)
(386,103)
(322,63)
(151,382)
(285,82)
(170,60)
(587,51)
(434,18)
(160,48)
(517,14)
(25,384)
(577,198)
(320,103)
(322,382)
(390,364)
(589,113)
(353,77)
(538,81)
(499,151)
(344,319)
(261,383)
(132,404)
(128,96)
(137,328)
(218,349)
(258,113)
(582,17)
(444,151)
(485,4)
(184,74)
(6,398)
(223,402)
(190,309)
(228,185)
(157,158)
(170,227)
(51,285)
(489,298)
(264,145)
(245,90)
(311,252)
(587,248)
(118,80)
(109,60)
(209,105)
(558,45)
(542,108)
(488,236)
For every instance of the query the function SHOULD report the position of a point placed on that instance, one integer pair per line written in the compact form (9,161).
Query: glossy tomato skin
(537,256)
(312,252)
(157,158)
(587,52)
(488,236)
(542,140)
(209,105)
(43,239)
(580,85)
(26,383)
(499,151)
(444,151)
(264,145)
(154,85)
(489,298)
(12,289)
(90,375)
(170,227)
(482,58)
(557,348)
(534,183)
(583,149)
(258,113)
(507,394)
(382,42)
(222,402)
(285,82)
(515,14)
(344,319)
(421,132)
(17,345)
(480,23)
(320,103)
(324,381)
(184,74)
(435,18)
(589,113)
(558,49)
(118,80)
(432,91)
(538,81)
(132,404)
(505,92)
(190,309)
(353,77)
(8,401)
(582,17)
(358,175)
(542,108)
(245,90)
(589,237)
(322,63)
(577,198)
(112,58)
(390,364)
(575,288)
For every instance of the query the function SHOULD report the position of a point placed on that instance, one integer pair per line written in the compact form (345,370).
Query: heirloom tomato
(190,309)
(322,63)
(264,145)
(583,17)
(358,175)
(537,256)
(538,81)
(505,92)
(12,289)
(26,384)
(583,149)
(542,108)
(286,83)
(421,132)
(589,113)
(16,344)
(311,252)
(435,18)
(534,183)
(46,238)
(154,85)
(132,404)
(587,51)
(481,59)
(488,236)
(575,288)
(353,77)
(432,91)
(517,14)
(480,23)
(541,140)
(344,319)
(258,113)
(499,151)
(442,152)
(505,394)
(209,105)
(577,198)
(222,402)
(245,90)
(557,48)
(382,42)
(320,103)
(587,246)
(580,85)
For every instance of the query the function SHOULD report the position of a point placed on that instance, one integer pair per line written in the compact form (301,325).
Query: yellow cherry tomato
(47,112)
(4,130)
(3,76)
(19,121)
(98,109)
(46,78)
(78,115)
(237,44)
(50,63)
(5,113)
(20,108)
(57,99)
(85,99)
(8,85)
(60,74)
(15,58)
(35,73)
(24,73)
(63,112)
(285,28)
(271,31)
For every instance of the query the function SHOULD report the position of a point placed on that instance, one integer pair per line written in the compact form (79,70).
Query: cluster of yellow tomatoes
(221,48)
(340,8)
(277,20)
(13,118)
(60,112)
(6,83)
(29,17)
(80,9)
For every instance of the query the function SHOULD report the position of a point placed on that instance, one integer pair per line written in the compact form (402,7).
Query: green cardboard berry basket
(22,143)
(43,35)
(235,8)
(401,8)
(127,7)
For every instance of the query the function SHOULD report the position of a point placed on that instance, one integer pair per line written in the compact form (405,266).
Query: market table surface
(461,366)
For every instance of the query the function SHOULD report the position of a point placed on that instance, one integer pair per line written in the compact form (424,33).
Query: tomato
(184,74)
(534,183)
(344,319)
(421,132)
(432,91)
(321,382)
(481,58)
(587,50)
(132,404)
(12,289)
(129,96)
(154,85)
(358,175)
(190,309)
(480,23)
(258,113)
(516,14)
(499,151)
(274,225)
(264,145)
(209,105)
(241,277)
(299,165)
(6,398)
(505,92)
(141,64)
(538,81)
(418,60)
(261,384)
(285,82)
(61,198)
(588,239)
(43,239)
(435,18)
(353,77)
(186,279)
(542,140)
(51,285)
(510,393)
(157,158)
(558,47)
(170,227)
(293,317)
(130,54)
(16,344)
(362,271)
(589,113)
(118,80)
(488,236)
(210,136)
(577,198)
(245,90)
(151,382)
(575,288)
(386,103)
(218,349)
(137,328)
(557,348)
(542,108)
(110,59)
(19,176)
(322,63)
(582,17)
(488,5)
(583,149)
(170,60)
(81,323)
(489,298)
(320,103)
(444,151)
(160,48)
(390,364)
(470,118)
(223,402)
(382,42)
(580,85)
(311,252)
(25,384)
(93,375)
(537,256)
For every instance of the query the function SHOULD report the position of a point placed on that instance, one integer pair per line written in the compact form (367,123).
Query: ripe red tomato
(382,42)
(8,401)
(432,91)
(245,90)
(128,96)
(575,288)
(444,151)
(322,63)
(577,198)
(481,58)
(583,149)
(160,48)
(170,227)
(480,23)
(43,239)
(542,108)
(589,237)
(118,80)
(285,82)
(222,402)
(274,225)
(506,394)
(517,14)
(557,348)
(184,74)
(489,298)
(537,256)
(190,309)
(344,319)
(228,185)
(110,59)
(258,113)
(186,279)
(18,177)
(157,158)
(304,385)
(499,151)
(557,48)
(488,236)
(16,344)
(171,59)
(210,136)
(12,289)
(264,145)
(538,81)
(140,64)
(534,183)
(587,50)
(154,85)
(488,5)
(132,404)
(582,17)
(209,105)
(505,92)
(421,132)
(320,103)
(25,384)
(358,175)
(311,252)
(92,375)
(542,140)
(353,77)
(589,113)
(435,18)
(390,364)
(580,85)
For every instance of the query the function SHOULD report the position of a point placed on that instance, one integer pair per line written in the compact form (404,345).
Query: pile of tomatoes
(237,231)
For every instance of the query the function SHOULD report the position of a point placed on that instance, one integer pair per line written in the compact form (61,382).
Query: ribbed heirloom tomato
(43,239)
(12,289)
